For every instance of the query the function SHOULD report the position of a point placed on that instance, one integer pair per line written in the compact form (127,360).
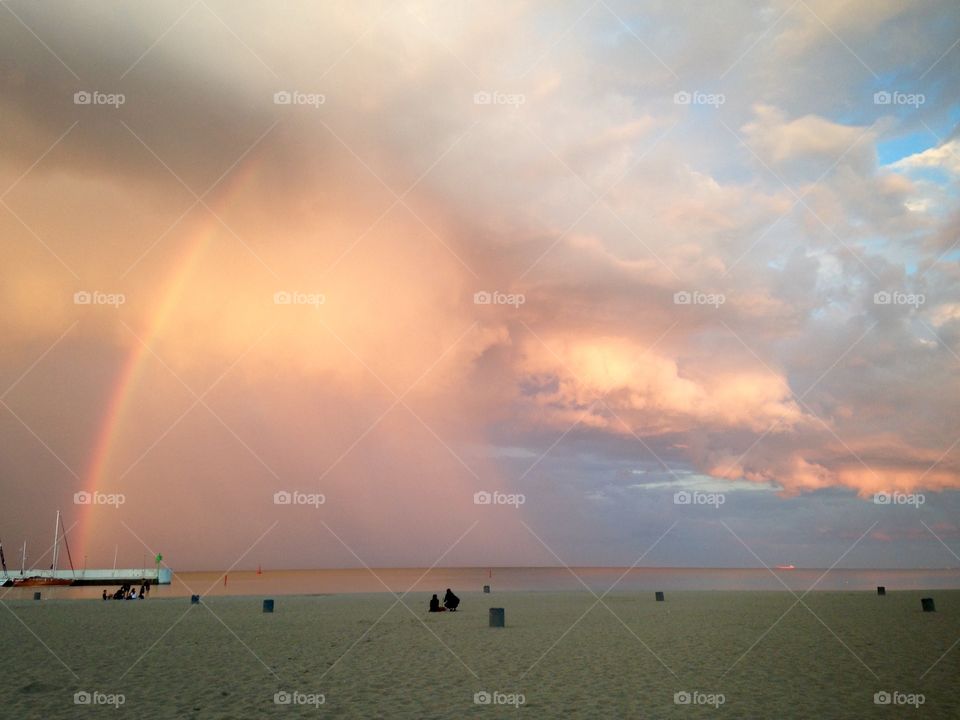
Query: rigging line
(67,544)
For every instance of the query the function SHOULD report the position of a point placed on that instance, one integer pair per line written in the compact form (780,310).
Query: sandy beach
(735,654)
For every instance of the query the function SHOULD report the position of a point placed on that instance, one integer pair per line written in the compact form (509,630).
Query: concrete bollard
(881,590)
(497,618)
(36,596)
(268,606)
(194,599)
(927,605)
(659,596)
(486,589)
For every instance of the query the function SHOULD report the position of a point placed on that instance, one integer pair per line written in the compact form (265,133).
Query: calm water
(302,582)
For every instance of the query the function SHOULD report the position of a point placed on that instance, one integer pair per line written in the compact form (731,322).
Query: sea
(421,581)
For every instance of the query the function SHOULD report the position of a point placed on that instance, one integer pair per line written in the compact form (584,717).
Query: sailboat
(86,576)
(51,579)
(5,580)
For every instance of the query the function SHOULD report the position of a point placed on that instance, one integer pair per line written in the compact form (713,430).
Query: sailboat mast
(56,543)
(23,558)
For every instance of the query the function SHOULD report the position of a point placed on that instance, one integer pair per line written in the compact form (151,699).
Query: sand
(227,659)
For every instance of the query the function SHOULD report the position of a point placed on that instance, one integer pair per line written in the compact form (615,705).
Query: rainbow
(128,378)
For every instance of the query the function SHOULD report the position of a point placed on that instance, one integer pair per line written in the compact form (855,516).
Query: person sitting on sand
(133,594)
(435,604)
(450,601)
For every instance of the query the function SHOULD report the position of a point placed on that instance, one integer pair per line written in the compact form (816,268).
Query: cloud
(784,142)
(646,393)
(943,157)
(598,198)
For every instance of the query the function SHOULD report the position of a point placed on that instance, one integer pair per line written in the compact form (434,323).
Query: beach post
(194,599)
(497,618)
(486,589)
(927,605)
(881,590)
(268,605)
(659,596)
(36,595)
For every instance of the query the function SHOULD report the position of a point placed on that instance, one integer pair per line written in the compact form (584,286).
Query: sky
(667,283)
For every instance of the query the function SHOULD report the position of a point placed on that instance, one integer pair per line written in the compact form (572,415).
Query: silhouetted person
(104,594)
(450,601)
(143,590)
(435,604)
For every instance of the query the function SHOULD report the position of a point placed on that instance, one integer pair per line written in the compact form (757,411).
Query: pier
(118,576)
